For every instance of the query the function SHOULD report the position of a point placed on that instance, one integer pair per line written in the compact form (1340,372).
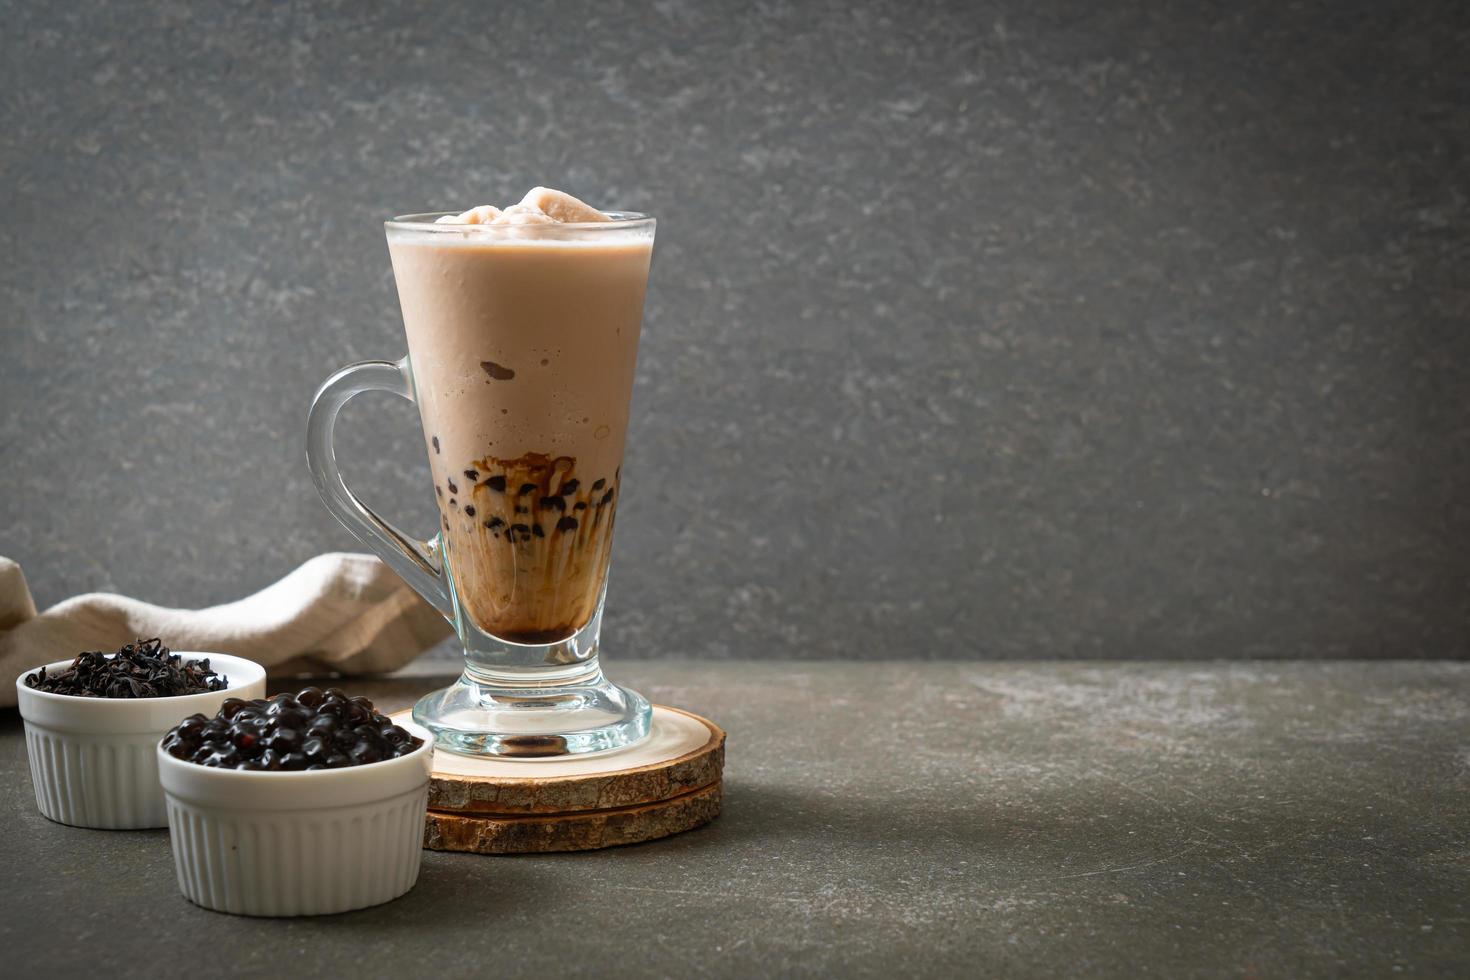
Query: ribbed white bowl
(94,760)
(297,843)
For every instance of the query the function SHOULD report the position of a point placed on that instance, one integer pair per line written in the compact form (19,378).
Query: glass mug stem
(516,699)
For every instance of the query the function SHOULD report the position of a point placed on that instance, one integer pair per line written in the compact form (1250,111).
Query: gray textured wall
(1011,330)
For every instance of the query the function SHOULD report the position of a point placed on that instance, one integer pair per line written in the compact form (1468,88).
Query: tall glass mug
(521,347)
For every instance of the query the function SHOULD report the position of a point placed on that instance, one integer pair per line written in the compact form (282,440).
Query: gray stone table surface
(1154,819)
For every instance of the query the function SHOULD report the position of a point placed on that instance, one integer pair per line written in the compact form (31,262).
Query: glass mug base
(474,718)
(528,700)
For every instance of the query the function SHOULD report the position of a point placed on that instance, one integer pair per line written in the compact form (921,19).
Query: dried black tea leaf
(142,669)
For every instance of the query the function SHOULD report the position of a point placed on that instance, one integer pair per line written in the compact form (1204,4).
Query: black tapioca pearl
(494,522)
(606,499)
(435,441)
(521,509)
(445,521)
(554,503)
(496,483)
(570,486)
(472,475)
(536,530)
(438,490)
(598,484)
(581,505)
(521,528)
(452,487)
(469,510)
(527,487)
(567,524)
(453,502)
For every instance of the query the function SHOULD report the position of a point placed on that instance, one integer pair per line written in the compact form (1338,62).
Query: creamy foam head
(540,206)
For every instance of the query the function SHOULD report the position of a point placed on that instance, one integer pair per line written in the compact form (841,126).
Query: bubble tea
(523,339)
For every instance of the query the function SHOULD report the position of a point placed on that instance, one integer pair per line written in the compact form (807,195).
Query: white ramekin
(297,843)
(94,761)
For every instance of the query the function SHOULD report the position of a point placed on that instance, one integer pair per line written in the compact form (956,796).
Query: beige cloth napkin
(339,612)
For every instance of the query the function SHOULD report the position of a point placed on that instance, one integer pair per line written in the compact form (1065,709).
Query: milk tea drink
(523,338)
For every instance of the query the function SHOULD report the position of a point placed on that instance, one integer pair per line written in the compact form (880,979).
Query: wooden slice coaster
(584,831)
(669,782)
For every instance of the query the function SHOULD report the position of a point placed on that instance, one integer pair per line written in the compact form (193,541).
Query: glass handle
(417,562)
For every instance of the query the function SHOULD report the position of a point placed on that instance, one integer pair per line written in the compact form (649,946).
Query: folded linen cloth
(338,612)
